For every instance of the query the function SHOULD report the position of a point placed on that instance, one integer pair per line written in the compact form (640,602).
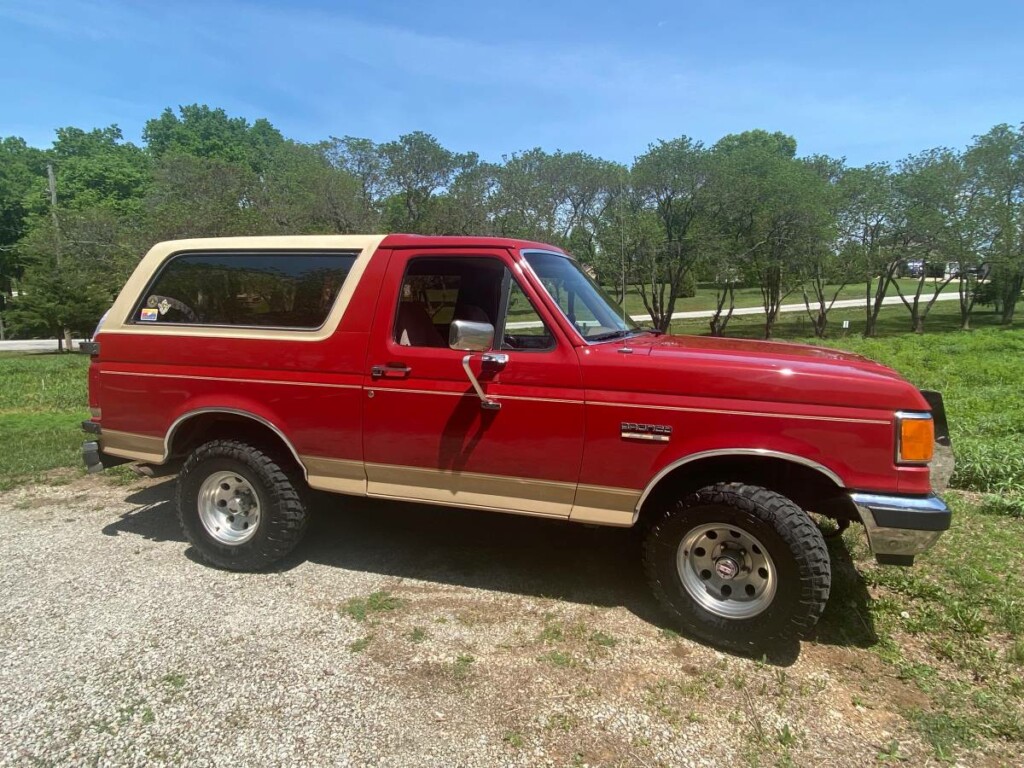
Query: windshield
(593,312)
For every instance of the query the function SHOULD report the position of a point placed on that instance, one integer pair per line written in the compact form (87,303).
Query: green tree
(361,159)
(301,192)
(97,169)
(671,178)
(997,159)
(201,197)
(22,169)
(71,274)
(415,168)
(828,270)
(199,131)
(944,201)
(773,209)
(465,208)
(872,232)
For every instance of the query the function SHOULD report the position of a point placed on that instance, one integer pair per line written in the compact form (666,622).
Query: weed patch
(361,608)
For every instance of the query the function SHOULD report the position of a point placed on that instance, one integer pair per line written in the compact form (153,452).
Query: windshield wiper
(611,335)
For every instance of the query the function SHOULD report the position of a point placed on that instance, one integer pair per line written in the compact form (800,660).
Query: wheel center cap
(727,568)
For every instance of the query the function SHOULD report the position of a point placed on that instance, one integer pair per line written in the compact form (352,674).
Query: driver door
(426,434)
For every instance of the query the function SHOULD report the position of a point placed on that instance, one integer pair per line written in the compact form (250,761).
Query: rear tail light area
(915,437)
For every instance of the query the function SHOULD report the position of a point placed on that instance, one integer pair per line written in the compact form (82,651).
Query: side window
(281,290)
(436,291)
(524,328)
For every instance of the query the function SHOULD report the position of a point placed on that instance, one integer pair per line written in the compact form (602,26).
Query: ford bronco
(495,374)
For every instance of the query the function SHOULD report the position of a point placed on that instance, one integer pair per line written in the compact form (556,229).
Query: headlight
(915,437)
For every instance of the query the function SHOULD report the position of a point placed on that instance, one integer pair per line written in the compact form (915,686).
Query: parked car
(494,374)
(912,268)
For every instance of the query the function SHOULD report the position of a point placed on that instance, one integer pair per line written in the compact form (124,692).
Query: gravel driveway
(397,635)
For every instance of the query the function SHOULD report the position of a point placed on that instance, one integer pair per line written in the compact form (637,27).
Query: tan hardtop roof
(355,242)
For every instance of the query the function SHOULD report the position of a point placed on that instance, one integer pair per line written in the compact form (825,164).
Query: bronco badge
(660,433)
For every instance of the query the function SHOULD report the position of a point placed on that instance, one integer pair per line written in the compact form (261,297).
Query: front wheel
(239,507)
(738,564)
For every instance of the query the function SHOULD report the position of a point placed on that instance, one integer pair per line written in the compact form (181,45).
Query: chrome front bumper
(900,527)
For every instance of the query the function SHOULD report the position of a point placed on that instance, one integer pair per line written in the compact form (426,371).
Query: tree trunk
(68,343)
(820,325)
(869,320)
(1010,294)
(718,321)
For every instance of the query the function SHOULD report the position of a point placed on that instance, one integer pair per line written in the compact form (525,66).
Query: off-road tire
(793,541)
(281,491)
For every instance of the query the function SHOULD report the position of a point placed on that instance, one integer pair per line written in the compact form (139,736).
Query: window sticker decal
(149,314)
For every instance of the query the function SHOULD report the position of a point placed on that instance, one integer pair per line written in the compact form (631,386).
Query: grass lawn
(43,400)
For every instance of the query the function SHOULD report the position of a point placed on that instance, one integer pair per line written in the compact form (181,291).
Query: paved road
(758,310)
(32,345)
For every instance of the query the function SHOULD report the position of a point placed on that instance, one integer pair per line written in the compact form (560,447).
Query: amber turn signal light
(916,439)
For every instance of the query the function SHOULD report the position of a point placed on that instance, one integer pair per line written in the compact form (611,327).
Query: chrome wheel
(727,571)
(229,508)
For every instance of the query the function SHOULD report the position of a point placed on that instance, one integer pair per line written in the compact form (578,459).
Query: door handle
(390,371)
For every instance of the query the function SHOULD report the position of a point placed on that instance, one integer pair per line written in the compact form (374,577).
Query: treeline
(746,211)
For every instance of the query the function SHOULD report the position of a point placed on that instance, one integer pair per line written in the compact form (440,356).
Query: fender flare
(721,452)
(169,437)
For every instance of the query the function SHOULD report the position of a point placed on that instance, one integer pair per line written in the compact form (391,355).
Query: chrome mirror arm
(497,360)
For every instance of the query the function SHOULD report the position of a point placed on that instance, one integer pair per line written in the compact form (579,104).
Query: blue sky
(865,80)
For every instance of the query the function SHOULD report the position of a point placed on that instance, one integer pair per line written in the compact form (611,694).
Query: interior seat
(414,328)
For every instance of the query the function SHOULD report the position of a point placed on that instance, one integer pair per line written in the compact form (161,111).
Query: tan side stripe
(402,390)
(225,378)
(538,399)
(740,413)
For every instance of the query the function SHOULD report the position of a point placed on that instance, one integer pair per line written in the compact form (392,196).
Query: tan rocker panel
(337,475)
(544,498)
(468,489)
(129,445)
(584,503)
(117,318)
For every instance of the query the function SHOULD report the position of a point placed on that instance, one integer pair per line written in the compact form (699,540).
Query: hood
(741,369)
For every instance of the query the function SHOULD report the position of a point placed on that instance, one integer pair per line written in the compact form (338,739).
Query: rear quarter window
(277,290)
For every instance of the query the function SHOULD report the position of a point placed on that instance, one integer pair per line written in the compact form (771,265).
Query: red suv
(495,374)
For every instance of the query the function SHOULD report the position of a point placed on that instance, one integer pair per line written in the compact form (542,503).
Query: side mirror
(470,337)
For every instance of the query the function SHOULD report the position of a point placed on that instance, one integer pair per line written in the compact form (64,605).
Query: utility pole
(51,180)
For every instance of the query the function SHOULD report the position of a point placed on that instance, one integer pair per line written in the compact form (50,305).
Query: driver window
(436,291)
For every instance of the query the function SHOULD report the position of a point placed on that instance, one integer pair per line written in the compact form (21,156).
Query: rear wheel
(239,507)
(737,564)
